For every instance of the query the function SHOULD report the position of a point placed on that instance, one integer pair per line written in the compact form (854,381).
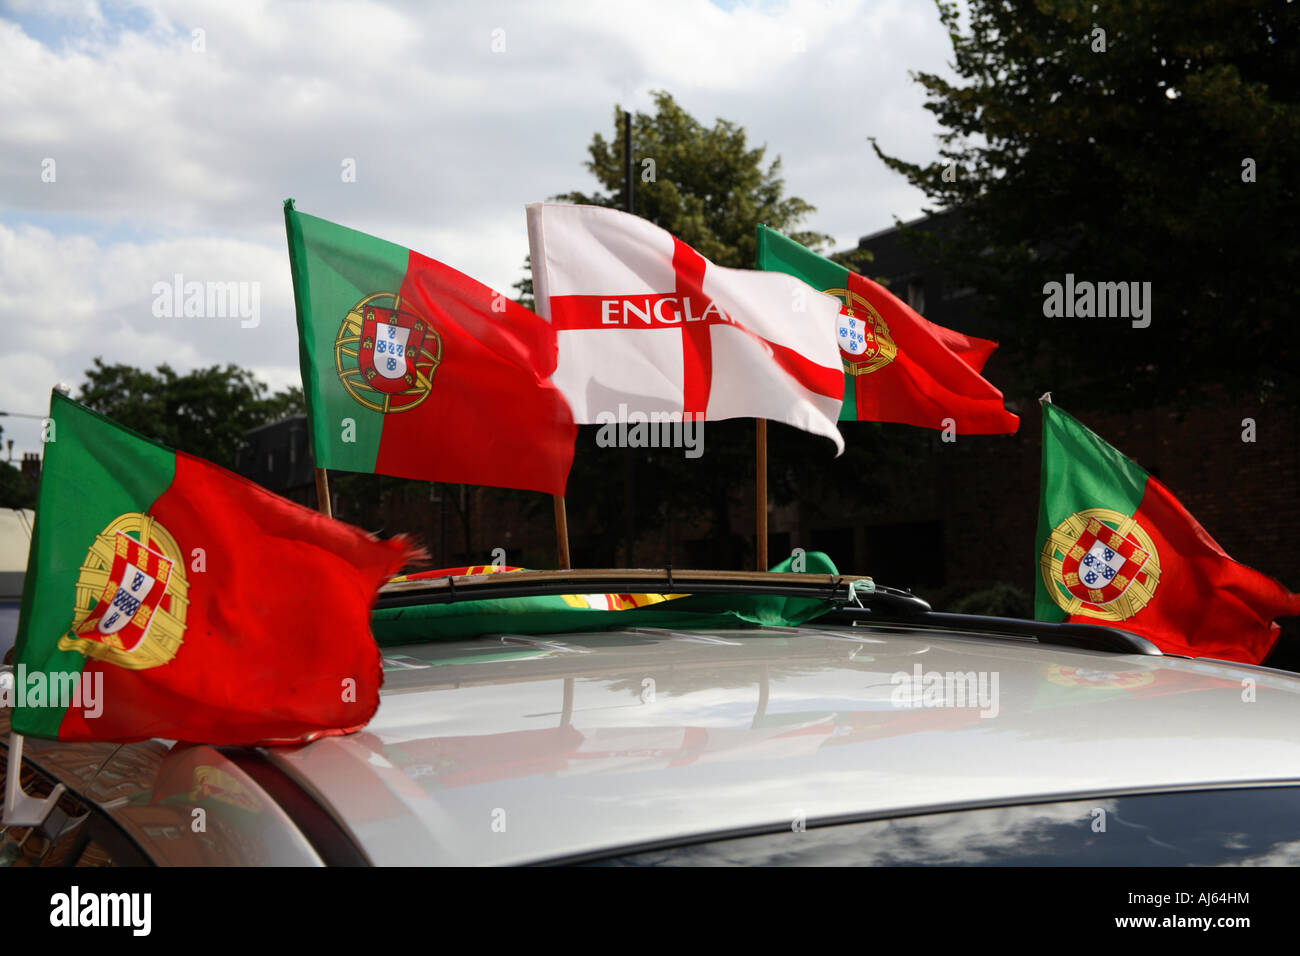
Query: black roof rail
(839,588)
(1090,637)
(861,600)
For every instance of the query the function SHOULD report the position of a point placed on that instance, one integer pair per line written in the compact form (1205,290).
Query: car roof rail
(854,589)
(860,600)
(1090,637)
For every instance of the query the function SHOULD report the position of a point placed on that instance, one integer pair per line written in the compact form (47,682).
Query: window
(916,294)
(1251,827)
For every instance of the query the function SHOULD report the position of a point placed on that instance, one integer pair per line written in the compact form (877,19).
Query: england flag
(644,321)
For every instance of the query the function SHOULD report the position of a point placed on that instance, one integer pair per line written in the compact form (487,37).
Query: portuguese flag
(1116,548)
(898,367)
(414,370)
(167,597)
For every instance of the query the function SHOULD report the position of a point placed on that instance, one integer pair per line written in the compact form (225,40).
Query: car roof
(523,749)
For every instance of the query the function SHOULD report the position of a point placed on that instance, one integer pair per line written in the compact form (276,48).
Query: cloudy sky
(141,140)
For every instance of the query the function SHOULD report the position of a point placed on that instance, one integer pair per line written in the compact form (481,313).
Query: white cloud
(171,160)
(66,299)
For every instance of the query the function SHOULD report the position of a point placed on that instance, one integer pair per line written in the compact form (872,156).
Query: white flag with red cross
(644,321)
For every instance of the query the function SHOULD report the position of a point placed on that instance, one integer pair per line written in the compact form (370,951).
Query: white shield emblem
(852,334)
(390,350)
(131,593)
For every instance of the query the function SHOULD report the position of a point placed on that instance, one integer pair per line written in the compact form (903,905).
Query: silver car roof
(516,750)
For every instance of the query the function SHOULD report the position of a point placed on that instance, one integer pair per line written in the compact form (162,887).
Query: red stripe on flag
(813,377)
(927,382)
(697,342)
(1205,604)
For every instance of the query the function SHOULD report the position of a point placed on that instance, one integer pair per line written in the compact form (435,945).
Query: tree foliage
(707,185)
(1116,142)
(204,412)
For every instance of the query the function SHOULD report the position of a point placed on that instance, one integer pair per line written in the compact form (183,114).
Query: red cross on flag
(645,322)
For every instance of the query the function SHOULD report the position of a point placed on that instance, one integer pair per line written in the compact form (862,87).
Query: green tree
(283,404)
(1154,142)
(204,412)
(707,186)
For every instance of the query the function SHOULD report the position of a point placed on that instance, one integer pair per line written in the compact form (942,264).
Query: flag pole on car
(629,472)
(561,533)
(323,492)
(760,491)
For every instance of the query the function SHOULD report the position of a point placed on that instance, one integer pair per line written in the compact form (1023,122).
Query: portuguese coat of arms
(1100,563)
(131,597)
(385,354)
(865,342)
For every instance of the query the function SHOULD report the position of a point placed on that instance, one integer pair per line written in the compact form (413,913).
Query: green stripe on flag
(93,471)
(1079,471)
(778,253)
(849,410)
(334,268)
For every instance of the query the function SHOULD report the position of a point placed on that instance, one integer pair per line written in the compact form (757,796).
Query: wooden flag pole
(323,493)
(760,491)
(629,473)
(561,533)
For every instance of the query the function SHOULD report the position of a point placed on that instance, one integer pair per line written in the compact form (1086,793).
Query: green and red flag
(414,370)
(898,367)
(167,597)
(1116,548)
